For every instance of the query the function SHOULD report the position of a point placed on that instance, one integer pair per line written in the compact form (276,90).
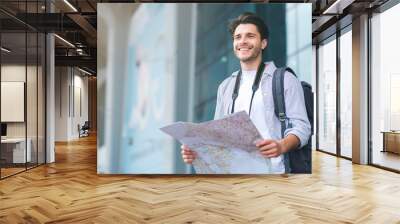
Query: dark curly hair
(249,18)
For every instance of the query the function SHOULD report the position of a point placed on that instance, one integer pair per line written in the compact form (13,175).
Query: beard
(254,53)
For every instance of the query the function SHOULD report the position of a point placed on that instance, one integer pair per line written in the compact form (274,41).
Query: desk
(13,150)
(391,141)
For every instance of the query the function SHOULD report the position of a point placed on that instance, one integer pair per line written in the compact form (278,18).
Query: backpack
(299,160)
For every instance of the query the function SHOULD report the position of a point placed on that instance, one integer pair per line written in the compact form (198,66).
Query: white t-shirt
(257,113)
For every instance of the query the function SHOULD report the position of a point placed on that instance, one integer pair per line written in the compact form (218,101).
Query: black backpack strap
(279,97)
(235,93)
(278,94)
(294,160)
(255,86)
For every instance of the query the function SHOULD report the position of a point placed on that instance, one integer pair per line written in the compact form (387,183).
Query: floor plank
(70,191)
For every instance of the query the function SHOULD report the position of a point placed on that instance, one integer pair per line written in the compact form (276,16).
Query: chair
(84,130)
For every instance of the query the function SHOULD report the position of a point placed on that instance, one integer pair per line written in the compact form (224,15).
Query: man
(250,38)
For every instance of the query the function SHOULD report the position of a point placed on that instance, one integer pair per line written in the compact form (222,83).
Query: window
(385,89)
(22,74)
(327,96)
(346,94)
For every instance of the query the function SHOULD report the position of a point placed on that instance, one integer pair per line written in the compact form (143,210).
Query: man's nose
(242,40)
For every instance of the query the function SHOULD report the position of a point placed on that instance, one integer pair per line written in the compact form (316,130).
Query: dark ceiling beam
(81,21)
(87,51)
(49,22)
(16,18)
(337,7)
(91,5)
(86,26)
(320,23)
(11,25)
(332,29)
(52,22)
(83,61)
(63,7)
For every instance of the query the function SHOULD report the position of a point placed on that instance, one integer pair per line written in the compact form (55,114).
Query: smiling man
(250,89)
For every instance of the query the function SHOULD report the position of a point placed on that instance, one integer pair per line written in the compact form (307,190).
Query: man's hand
(188,155)
(274,148)
(270,148)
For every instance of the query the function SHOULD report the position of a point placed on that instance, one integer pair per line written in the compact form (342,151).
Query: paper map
(223,146)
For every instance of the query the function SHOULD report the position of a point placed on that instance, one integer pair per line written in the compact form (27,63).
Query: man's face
(247,43)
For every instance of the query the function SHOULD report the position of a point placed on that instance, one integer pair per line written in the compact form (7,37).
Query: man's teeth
(244,49)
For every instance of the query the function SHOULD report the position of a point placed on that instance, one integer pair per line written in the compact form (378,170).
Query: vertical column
(50,93)
(360,90)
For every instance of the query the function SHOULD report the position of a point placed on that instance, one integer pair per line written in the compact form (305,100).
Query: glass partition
(14,154)
(31,99)
(327,95)
(385,89)
(22,88)
(346,93)
(41,88)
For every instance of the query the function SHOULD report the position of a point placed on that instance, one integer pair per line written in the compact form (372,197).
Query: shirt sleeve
(219,107)
(296,112)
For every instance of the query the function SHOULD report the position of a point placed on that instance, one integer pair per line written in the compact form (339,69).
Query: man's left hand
(274,148)
(271,148)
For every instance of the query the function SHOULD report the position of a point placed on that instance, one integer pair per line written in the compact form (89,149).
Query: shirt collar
(269,69)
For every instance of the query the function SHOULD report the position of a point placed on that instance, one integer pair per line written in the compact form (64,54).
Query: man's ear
(264,44)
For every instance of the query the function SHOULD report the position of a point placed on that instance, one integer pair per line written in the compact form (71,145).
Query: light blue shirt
(297,121)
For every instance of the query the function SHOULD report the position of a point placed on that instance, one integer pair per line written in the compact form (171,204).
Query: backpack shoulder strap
(279,97)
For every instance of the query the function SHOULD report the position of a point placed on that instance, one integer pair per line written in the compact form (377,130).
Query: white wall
(61,103)
(33,126)
(79,117)
(12,73)
(69,82)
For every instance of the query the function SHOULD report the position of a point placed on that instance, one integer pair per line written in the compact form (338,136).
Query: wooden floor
(10,171)
(387,159)
(70,191)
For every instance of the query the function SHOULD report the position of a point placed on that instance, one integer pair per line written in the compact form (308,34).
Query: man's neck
(250,65)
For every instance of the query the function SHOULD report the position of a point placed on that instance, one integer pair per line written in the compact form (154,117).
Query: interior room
(63,89)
